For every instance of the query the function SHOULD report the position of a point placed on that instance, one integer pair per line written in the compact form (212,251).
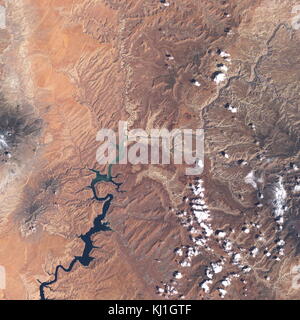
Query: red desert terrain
(68,69)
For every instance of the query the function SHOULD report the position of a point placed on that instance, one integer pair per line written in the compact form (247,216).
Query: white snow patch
(220,77)
(232,109)
(280,196)
(201,215)
(3,143)
(222,292)
(250,179)
(224,54)
(297,188)
(223,68)
(226,282)
(205,285)
(281,242)
(254,252)
(177,275)
(209,273)
(185,263)
(196,83)
(236,258)
(207,229)
(216,267)
(221,234)
(246,230)
(179,252)
(227,245)
(246,269)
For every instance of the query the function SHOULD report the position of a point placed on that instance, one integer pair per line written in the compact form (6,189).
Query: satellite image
(150,150)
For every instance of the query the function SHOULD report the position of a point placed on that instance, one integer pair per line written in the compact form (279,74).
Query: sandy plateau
(71,67)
